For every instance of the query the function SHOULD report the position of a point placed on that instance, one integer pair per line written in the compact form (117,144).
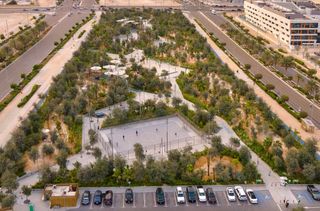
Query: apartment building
(282,20)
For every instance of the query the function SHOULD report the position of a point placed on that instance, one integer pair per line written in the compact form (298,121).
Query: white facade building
(282,20)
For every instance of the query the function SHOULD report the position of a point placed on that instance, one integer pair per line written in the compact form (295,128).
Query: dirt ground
(201,163)
(45,3)
(9,23)
(139,2)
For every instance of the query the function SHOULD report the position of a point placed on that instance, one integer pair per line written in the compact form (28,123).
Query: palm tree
(287,62)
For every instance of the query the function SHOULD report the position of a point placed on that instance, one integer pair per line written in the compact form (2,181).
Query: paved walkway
(11,116)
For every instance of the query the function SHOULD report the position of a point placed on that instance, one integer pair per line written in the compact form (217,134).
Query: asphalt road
(296,100)
(60,23)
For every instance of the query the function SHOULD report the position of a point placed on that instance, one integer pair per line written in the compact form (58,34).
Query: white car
(240,193)
(201,194)
(251,196)
(213,12)
(230,194)
(180,196)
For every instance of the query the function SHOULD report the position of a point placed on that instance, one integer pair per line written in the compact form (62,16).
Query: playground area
(157,136)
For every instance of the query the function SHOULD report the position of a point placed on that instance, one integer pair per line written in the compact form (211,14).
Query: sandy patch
(201,163)
(139,3)
(45,3)
(10,23)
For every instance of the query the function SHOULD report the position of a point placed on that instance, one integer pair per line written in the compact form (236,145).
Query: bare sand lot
(138,3)
(45,3)
(9,23)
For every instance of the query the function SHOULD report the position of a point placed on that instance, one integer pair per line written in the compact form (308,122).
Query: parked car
(240,193)
(191,194)
(230,194)
(314,192)
(180,196)
(86,198)
(107,200)
(160,196)
(251,196)
(201,194)
(210,196)
(97,198)
(129,196)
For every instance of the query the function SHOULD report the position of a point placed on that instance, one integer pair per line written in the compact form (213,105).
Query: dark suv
(129,196)
(210,196)
(97,198)
(314,192)
(86,198)
(191,194)
(160,196)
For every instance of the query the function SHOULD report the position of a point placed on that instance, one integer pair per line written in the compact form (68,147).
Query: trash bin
(31,207)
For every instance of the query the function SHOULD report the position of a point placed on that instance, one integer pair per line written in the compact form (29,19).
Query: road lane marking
(166,199)
(154,199)
(175,199)
(123,200)
(134,200)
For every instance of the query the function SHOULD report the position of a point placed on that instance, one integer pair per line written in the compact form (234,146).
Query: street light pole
(167,136)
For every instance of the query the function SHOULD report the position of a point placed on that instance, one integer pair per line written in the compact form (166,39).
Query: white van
(240,193)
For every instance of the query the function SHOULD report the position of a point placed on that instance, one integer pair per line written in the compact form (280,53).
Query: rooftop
(62,190)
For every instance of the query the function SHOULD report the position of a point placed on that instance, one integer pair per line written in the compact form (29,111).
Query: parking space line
(238,202)
(154,199)
(216,195)
(175,199)
(166,199)
(144,199)
(225,196)
(123,200)
(134,200)
(197,203)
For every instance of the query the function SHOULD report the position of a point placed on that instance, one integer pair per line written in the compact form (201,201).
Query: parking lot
(305,198)
(146,200)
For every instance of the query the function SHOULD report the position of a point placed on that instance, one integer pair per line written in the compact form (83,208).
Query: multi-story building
(282,20)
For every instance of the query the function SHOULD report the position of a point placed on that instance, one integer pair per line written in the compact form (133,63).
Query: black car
(314,192)
(160,196)
(191,194)
(86,198)
(210,196)
(107,200)
(129,196)
(97,197)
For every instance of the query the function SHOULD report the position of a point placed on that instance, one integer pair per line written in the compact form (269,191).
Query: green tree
(234,142)
(250,172)
(139,152)
(289,140)
(26,190)
(34,154)
(244,155)
(9,181)
(97,153)
(309,172)
(62,159)
(47,149)
(8,201)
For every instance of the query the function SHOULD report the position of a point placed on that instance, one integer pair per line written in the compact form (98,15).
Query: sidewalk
(11,116)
